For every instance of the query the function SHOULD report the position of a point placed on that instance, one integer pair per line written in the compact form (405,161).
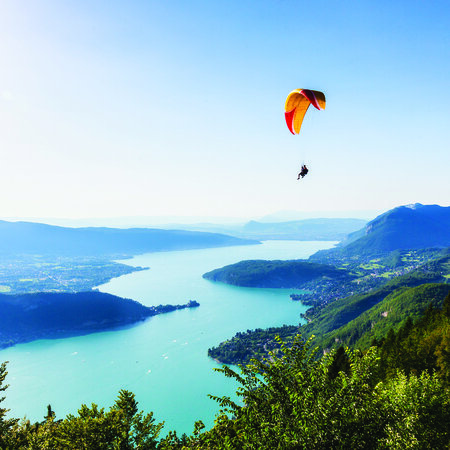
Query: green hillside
(275,274)
(391,313)
(340,312)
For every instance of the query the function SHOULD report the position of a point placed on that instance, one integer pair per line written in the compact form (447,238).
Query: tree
(122,427)
(418,408)
(138,431)
(6,425)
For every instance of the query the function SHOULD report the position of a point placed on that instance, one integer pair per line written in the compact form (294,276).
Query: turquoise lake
(164,359)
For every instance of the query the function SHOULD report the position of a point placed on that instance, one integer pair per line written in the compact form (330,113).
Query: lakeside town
(25,274)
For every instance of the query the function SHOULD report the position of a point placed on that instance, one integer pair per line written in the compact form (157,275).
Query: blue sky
(156,108)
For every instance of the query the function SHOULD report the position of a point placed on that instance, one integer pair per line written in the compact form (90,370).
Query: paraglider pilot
(303,172)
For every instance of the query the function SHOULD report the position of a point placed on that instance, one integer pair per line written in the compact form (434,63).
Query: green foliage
(92,428)
(418,411)
(423,346)
(120,428)
(123,427)
(340,363)
(6,425)
(291,401)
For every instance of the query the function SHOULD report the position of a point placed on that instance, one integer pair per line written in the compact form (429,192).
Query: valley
(380,269)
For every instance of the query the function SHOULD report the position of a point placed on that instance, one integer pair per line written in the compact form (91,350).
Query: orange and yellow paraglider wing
(295,109)
(297,103)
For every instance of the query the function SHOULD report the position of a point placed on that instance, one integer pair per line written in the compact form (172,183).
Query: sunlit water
(164,359)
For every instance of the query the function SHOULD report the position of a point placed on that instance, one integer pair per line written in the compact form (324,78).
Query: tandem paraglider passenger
(303,172)
(297,103)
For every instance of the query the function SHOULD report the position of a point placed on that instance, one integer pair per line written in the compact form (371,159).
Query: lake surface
(164,359)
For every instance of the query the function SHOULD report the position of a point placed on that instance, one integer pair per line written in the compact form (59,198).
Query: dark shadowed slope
(27,317)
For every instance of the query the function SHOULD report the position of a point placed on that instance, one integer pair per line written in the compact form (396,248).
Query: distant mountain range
(325,229)
(37,238)
(405,227)
(307,229)
(290,216)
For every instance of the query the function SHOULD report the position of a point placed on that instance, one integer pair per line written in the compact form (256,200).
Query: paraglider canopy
(297,103)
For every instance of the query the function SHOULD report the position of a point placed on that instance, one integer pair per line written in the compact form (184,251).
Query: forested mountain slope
(391,313)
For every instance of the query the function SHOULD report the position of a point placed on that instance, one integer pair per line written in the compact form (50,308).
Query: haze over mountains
(311,229)
(188,222)
(38,238)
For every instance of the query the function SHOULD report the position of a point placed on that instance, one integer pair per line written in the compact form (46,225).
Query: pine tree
(6,425)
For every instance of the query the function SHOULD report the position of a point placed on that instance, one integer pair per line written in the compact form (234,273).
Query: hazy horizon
(129,221)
